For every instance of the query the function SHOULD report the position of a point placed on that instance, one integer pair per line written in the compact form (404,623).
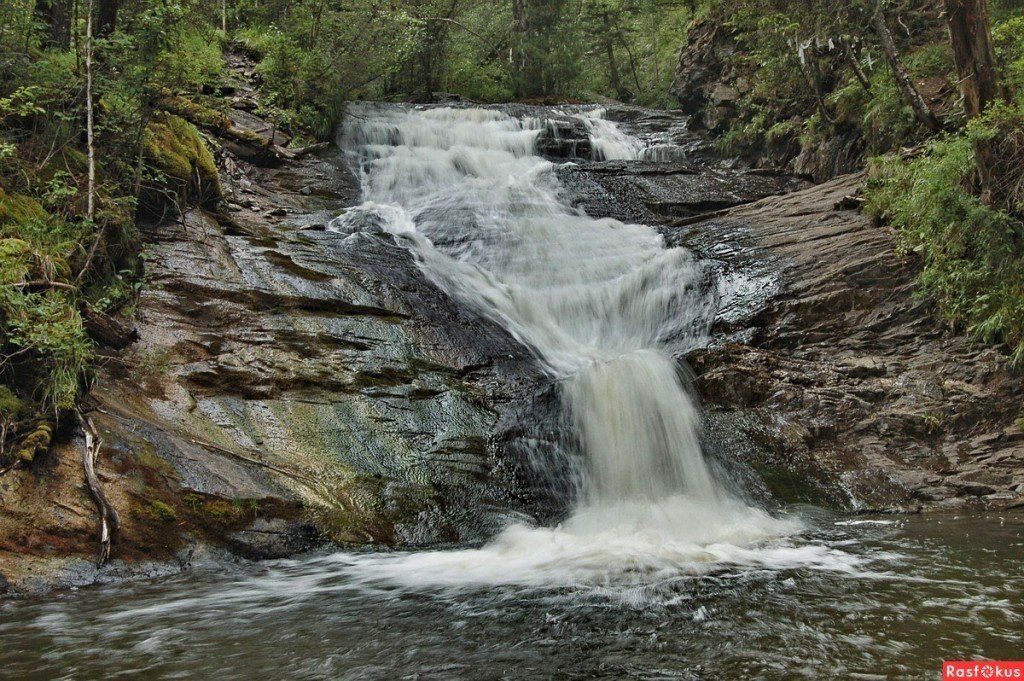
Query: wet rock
(274,538)
(652,192)
(702,72)
(564,139)
(895,410)
(861,367)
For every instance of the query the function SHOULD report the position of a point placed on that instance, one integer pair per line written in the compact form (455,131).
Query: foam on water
(600,301)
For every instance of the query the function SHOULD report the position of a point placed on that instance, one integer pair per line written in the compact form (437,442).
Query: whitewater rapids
(600,302)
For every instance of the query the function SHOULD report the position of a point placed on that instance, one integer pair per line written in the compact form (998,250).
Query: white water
(599,300)
(608,141)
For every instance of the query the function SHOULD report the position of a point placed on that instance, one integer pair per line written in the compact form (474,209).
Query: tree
(971,36)
(922,111)
(542,62)
(106,18)
(604,23)
(55,16)
(90,135)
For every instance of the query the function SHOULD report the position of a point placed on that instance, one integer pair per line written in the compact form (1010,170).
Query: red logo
(982,670)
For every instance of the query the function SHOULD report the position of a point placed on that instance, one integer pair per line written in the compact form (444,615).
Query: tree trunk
(525,84)
(55,15)
(971,36)
(89,128)
(534,29)
(609,51)
(922,111)
(106,18)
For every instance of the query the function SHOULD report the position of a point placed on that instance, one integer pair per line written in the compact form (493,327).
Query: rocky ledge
(835,379)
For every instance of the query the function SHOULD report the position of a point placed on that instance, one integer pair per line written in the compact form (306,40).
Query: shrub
(973,253)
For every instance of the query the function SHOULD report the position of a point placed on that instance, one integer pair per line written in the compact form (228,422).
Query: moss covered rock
(36,441)
(15,260)
(185,167)
(18,208)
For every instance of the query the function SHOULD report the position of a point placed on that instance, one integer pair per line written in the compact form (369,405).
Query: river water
(661,570)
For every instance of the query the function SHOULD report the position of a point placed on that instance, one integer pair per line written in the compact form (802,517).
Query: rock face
(710,82)
(289,386)
(332,362)
(844,381)
(705,83)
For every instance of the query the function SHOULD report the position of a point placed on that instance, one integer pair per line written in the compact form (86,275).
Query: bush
(973,253)
(304,87)
(1009,43)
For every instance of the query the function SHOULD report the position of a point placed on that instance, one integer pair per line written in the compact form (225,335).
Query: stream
(663,567)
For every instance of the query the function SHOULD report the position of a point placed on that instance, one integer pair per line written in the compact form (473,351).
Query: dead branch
(42,283)
(110,522)
(237,455)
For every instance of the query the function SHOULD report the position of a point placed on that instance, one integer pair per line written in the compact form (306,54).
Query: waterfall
(608,142)
(599,300)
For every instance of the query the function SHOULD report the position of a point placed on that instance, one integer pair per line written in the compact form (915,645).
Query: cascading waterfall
(600,301)
(607,140)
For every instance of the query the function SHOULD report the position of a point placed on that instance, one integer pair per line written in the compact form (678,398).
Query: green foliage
(48,325)
(973,253)
(302,84)
(1008,36)
(797,67)
(56,265)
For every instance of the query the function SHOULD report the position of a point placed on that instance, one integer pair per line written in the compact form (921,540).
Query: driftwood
(107,330)
(293,154)
(41,283)
(110,522)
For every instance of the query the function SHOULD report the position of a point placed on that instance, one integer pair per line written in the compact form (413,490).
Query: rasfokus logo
(982,669)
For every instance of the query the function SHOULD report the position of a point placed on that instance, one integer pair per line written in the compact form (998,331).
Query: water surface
(884,598)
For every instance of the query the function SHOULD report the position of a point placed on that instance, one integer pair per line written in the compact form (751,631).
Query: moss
(161,511)
(218,513)
(16,260)
(69,160)
(18,208)
(247,136)
(174,148)
(11,407)
(36,441)
(199,114)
